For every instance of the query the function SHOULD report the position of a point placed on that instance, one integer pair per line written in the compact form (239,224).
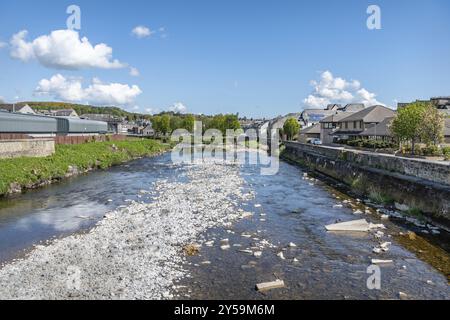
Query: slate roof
(336,117)
(374,114)
(380,130)
(315,129)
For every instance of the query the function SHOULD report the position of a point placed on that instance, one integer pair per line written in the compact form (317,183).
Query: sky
(258,58)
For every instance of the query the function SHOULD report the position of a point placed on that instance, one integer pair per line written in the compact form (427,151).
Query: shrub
(431,151)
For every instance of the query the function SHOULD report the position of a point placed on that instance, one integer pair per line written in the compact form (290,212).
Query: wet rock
(14,188)
(402,296)
(401,207)
(352,226)
(378,261)
(281,255)
(257,254)
(270,285)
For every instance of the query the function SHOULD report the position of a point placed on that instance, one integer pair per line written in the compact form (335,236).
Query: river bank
(20,174)
(419,189)
(136,251)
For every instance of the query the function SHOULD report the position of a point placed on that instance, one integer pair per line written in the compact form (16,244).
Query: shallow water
(74,205)
(329,266)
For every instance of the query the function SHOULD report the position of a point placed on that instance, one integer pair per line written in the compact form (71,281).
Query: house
(310,117)
(309,133)
(447,131)
(352,107)
(329,125)
(64,113)
(441,103)
(352,126)
(17,108)
(148,131)
(380,131)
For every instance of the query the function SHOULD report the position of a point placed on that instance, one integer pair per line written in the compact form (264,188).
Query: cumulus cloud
(142,32)
(178,107)
(2,100)
(331,89)
(63,49)
(134,72)
(97,92)
(3,44)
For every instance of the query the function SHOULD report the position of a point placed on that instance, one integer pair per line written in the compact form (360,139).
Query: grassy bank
(24,173)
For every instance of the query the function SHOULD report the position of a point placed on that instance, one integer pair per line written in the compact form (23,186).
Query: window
(346,125)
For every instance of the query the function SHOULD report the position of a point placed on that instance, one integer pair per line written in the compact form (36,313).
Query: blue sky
(255,57)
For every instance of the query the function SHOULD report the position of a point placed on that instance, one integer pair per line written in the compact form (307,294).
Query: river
(290,211)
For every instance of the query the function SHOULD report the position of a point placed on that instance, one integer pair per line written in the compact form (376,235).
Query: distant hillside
(83,109)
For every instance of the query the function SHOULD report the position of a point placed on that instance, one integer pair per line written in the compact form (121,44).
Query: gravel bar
(136,251)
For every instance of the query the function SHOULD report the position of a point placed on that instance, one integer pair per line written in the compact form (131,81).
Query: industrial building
(44,126)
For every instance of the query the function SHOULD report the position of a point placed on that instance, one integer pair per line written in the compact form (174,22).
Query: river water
(288,209)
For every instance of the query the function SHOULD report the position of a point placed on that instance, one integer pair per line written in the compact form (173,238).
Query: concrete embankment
(416,186)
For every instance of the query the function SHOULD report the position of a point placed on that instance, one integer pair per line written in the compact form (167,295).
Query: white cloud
(330,89)
(3,44)
(63,49)
(142,32)
(97,92)
(134,72)
(2,100)
(151,111)
(178,107)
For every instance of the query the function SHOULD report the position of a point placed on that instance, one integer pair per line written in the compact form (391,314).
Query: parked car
(316,142)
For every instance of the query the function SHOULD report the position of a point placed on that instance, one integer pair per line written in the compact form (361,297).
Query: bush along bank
(20,174)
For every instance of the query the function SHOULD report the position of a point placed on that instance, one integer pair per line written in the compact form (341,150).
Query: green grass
(30,171)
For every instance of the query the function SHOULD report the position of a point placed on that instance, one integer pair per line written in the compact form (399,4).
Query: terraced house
(355,124)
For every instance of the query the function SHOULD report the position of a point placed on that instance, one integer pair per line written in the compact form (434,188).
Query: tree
(408,124)
(156,124)
(188,123)
(165,124)
(291,128)
(432,127)
(231,122)
(175,123)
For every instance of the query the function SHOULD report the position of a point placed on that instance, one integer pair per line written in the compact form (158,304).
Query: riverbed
(124,230)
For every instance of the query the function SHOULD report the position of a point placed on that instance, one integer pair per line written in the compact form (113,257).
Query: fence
(13,136)
(84,139)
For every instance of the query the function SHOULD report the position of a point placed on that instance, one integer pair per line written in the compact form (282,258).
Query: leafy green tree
(407,125)
(291,128)
(175,123)
(231,121)
(432,127)
(156,124)
(189,122)
(165,124)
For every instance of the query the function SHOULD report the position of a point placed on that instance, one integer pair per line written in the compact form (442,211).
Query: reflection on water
(74,205)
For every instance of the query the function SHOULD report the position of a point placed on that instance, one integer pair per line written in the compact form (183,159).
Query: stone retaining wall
(416,183)
(26,148)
